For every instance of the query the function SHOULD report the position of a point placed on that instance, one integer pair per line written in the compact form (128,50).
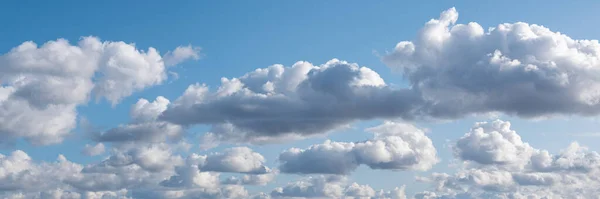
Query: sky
(299,99)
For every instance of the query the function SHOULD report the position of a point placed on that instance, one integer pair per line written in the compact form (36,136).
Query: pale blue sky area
(237,37)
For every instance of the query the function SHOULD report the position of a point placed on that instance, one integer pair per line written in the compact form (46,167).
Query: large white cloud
(274,103)
(396,146)
(41,86)
(519,68)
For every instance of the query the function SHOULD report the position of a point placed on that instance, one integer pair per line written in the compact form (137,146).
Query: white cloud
(332,187)
(396,146)
(519,68)
(257,179)
(286,103)
(41,86)
(143,127)
(181,54)
(500,165)
(493,143)
(95,150)
(238,159)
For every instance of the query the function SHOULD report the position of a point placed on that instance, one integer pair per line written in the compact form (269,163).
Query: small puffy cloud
(42,86)
(285,103)
(514,68)
(396,146)
(238,160)
(144,127)
(493,143)
(145,111)
(189,175)
(181,54)
(94,150)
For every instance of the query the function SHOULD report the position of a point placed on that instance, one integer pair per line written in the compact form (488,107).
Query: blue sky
(237,37)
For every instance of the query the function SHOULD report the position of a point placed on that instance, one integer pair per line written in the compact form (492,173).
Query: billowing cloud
(493,143)
(498,164)
(514,68)
(41,86)
(278,102)
(396,146)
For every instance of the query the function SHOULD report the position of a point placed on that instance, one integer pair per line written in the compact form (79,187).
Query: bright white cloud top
(453,71)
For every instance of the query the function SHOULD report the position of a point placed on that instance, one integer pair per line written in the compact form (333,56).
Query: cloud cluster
(333,187)
(498,164)
(454,70)
(514,68)
(139,171)
(395,146)
(41,86)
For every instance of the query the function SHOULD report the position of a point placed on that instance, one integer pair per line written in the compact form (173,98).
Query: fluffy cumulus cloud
(395,146)
(134,171)
(498,164)
(454,70)
(333,187)
(239,160)
(21,177)
(515,68)
(278,103)
(41,86)
(144,127)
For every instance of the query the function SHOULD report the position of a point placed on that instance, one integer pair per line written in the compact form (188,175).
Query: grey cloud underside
(302,100)
(521,69)
(454,70)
